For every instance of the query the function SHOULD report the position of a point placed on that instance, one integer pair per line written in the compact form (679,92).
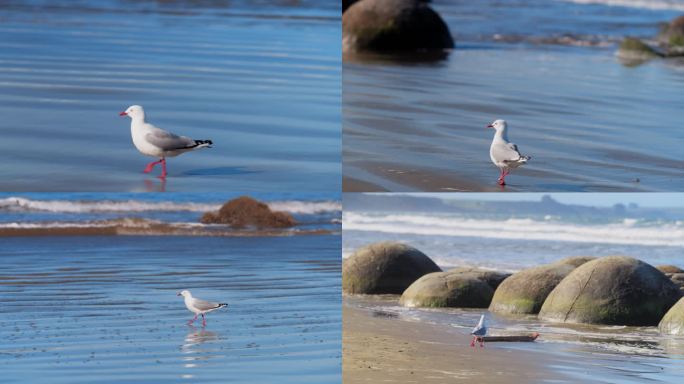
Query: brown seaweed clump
(244,212)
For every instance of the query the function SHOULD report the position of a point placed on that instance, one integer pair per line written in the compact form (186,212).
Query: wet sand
(382,348)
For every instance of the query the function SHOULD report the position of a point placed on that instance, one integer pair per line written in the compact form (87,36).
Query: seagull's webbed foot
(151,165)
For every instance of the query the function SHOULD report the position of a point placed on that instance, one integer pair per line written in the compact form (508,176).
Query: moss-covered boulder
(448,289)
(524,292)
(633,50)
(611,290)
(245,212)
(673,321)
(672,33)
(393,26)
(492,278)
(386,267)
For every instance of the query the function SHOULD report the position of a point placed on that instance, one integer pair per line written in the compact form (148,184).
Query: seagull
(156,142)
(479,332)
(503,153)
(199,307)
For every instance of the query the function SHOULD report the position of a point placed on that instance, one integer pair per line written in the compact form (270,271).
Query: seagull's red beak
(490,126)
(123,114)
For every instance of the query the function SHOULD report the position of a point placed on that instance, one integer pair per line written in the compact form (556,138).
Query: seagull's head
(184,293)
(134,112)
(498,125)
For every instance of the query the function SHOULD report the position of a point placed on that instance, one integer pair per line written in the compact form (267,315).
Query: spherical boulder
(393,26)
(669,269)
(492,278)
(524,292)
(673,321)
(575,261)
(614,290)
(448,289)
(386,267)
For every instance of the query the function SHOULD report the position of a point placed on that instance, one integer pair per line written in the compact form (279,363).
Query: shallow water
(261,79)
(589,122)
(104,309)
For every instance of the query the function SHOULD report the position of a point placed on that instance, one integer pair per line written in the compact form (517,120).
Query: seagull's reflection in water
(151,186)
(197,346)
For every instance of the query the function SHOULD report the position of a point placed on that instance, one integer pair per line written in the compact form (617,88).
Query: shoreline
(384,348)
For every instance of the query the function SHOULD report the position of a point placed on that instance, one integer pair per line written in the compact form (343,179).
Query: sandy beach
(378,347)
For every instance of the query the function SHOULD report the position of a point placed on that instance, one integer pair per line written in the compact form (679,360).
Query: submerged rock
(386,267)
(614,290)
(673,321)
(246,212)
(448,289)
(393,26)
(524,292)
(634,50)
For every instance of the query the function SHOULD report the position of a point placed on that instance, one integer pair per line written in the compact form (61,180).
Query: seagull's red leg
(481,342)
(193,319)
(472,342)
(163,162)
(151,165)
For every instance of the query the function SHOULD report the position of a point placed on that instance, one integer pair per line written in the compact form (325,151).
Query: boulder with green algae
(672,34)
(633,49)
(524,292)
(448,289)
(384,268)
(614,290)
(673,321)
(393,26)
(492,278)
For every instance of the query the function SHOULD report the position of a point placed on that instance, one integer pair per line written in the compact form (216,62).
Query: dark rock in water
(448,289)
(615,290)
(386,267)
(524,292)
(393,26)
(246,212)
(492,278)
(633,50)
(669,269)
(347,3)
(673,321)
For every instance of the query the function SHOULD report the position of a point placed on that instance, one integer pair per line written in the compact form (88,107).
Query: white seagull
(479,332)
(503,153)
(156,142)
(198,307)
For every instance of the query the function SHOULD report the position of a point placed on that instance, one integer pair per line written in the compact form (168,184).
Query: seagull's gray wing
(168,141)
(205,305)
(506,152)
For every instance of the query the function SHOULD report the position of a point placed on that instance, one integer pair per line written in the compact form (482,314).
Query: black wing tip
(222,305)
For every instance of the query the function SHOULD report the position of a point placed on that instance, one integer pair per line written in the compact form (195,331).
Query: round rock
(615,290)
(524,292)
(492,278)
(673,321)
(448,289)
(393,26)
(386,267)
